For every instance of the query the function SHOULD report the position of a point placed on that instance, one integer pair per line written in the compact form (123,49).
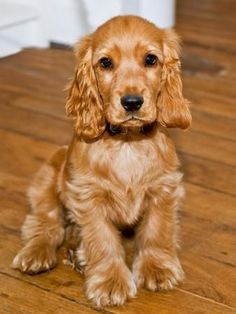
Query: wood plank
(27,154)
(200,235)
(57,62)
(208,80)
(209,23)
(200,204)
(202,62)
(202,145)
(34,74)
(42,104)
(212,264)
(33,122)
(29,83)
(208,102)
(212,124)
(209,174)
(36,125)
(65,282)
(212,86)
(14,298)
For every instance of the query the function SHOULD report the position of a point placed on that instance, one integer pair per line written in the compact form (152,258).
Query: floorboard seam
(214,135)
(205,298)
(57,294)
(181,152)
(209,47)
(208,188)
(31,136)
(63,119)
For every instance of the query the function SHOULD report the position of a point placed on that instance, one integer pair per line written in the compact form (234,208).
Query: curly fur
(103,183)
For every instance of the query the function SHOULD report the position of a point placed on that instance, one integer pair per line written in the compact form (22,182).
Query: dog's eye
(106,63)
(150,60)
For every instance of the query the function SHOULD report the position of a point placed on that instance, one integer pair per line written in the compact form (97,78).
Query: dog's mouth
(130,122)
(133,124)
(134,120)
(117,129)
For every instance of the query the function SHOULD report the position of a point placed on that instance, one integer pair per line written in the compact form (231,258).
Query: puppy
(120,169)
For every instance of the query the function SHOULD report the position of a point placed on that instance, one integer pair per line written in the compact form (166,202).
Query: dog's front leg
(156,265)
(108,279)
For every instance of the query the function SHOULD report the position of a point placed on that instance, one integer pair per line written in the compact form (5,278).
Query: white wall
(65,21)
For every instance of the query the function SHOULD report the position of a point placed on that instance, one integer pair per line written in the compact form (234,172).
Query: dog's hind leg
(43,229)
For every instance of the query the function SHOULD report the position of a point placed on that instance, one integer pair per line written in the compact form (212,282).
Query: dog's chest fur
(126,163)
(122,170)
(129,170)
(130,164)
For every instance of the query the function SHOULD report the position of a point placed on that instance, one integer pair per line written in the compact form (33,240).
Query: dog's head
(128,75)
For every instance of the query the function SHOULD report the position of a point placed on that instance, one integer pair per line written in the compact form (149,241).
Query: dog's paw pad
(33,260)
(155,276)
(107,289)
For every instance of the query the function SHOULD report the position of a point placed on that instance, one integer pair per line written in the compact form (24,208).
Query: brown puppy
(120,169)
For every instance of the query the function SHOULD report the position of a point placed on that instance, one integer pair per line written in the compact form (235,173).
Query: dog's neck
(114,129)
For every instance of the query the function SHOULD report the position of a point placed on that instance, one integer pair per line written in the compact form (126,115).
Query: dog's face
(127,74)
(127,65)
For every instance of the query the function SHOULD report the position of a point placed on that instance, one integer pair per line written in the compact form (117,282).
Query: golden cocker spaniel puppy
(120,169)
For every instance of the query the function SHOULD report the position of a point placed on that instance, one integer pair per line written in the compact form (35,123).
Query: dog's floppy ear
(84,103)
(173,108)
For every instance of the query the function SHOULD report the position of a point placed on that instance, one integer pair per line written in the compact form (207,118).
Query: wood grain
(202,277)
(64,282)
(208,23)
(33,124)
(27,298)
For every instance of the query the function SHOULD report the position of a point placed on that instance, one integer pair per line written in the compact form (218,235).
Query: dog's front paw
(155,273)
(33,259)
(112,287)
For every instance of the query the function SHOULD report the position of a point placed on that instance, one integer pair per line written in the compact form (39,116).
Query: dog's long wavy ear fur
(84,103)
(173,108)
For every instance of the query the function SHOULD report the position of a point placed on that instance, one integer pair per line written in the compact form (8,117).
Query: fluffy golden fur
(103,182)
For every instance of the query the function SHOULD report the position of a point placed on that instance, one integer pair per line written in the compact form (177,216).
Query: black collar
(115,129)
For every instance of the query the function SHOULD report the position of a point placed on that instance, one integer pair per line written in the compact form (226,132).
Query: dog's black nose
(132,102)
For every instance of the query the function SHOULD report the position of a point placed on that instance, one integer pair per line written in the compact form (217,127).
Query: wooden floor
(33,124)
